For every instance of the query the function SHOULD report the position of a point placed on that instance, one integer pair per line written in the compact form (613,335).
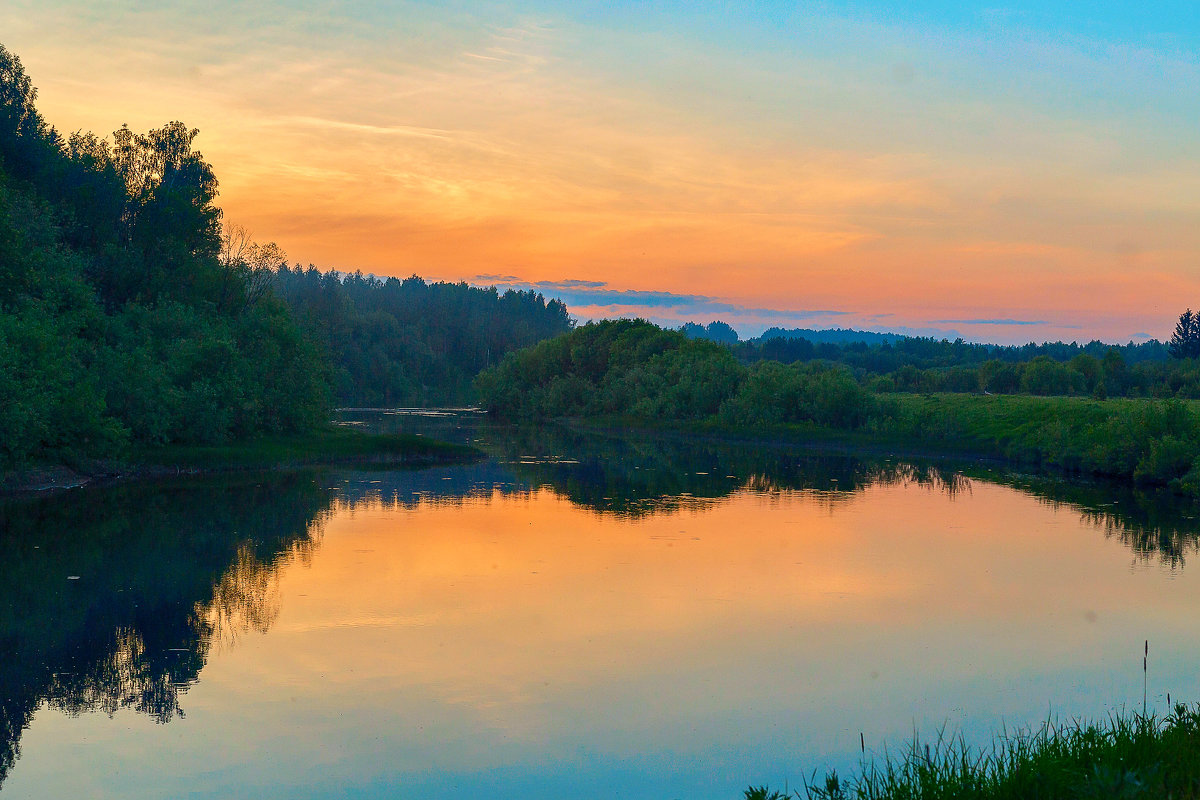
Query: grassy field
(1130,756)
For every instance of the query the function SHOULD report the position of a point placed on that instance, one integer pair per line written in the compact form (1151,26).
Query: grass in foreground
(1129,756)
(330,445)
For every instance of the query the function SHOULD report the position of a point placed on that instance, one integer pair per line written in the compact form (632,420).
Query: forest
(411,343)
(132,316)
(120,322)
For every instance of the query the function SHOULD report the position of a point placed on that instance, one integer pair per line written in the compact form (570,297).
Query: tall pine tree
(1185,342)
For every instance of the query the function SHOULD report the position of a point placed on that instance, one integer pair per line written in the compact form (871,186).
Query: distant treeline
(924,365)
(924,352)
(412,343)
(632,368)
(720,331)
(890,362)
(120,320)
(883,352)
(832,335)
(925,346)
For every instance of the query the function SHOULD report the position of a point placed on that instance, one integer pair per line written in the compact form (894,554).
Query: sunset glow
(1005,175)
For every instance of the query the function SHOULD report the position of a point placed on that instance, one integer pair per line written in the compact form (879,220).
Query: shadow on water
(113,599)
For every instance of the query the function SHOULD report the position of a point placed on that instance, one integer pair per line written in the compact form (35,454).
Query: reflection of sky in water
(514,644)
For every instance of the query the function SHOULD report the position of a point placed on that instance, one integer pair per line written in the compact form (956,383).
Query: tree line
(635,366)
(925,364)
(884,352)
(407,342)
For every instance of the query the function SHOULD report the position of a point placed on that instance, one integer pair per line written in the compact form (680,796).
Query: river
(578,615)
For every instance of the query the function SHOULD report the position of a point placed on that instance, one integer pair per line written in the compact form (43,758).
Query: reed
(1126,756)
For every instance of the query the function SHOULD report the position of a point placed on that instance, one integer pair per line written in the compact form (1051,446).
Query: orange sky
(1003,178)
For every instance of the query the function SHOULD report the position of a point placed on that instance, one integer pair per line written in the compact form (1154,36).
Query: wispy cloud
(513,280)
(357,127)
(993,322)
(598,294)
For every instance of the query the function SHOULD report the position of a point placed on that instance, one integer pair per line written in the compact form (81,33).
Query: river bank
(1139,442)
(333,445)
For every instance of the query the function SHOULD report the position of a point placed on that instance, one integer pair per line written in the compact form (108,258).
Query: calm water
(578,616)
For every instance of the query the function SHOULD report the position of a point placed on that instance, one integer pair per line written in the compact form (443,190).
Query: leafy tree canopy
(122,322)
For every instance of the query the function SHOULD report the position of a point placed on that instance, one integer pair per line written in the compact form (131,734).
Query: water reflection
(1155,525)
(635,475)
(114,598)
(117,599)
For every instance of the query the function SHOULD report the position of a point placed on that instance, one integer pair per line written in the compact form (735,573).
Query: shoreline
(1127,755)
(332,446)
(1067,438)
(821,440)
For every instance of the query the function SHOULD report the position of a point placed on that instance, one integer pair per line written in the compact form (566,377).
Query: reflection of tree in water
(113,599)
(858,475)
(123,676)
(1168,545)
(637,475)
(1155,524)
(246,598)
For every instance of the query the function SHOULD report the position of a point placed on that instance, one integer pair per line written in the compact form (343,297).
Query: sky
(1007,173)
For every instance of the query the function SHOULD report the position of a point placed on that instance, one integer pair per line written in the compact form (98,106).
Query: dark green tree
(1185,342)
(122,321)
(171,226)
(406,342)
